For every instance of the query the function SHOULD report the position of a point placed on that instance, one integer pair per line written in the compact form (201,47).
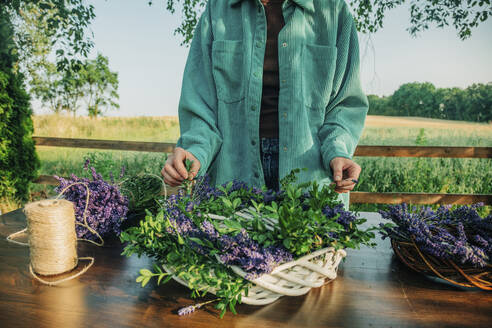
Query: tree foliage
(18,160)
(369,14)
(424,99)
(99,85)
(64,25)
(65,89)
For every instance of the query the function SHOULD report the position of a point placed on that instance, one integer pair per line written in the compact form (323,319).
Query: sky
(141,46)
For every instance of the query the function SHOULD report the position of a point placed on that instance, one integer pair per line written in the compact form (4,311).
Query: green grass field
(379,174)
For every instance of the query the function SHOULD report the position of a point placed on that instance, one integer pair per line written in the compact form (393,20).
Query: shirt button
(284,115)
(283,81)
(253,142)
(257,175)
(255,74)
(285,148)
(258,44)
(284,44)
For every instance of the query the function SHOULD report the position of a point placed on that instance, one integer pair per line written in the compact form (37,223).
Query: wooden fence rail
(356,197)
(377,151)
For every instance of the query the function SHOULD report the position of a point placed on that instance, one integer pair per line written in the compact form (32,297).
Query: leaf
(222,313)
(145,281)
(226,202)
(197,240)
(231,307)
(145,272)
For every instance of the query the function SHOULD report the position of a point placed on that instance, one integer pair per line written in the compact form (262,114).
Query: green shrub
(18,159)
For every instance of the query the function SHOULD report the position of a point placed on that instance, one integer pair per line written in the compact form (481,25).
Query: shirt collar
(306,4)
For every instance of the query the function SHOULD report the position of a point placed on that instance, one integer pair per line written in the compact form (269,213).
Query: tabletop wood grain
(373,289)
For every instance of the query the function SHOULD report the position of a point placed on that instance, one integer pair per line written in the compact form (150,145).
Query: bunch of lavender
(236,247)
(183,235)
(107,207)
(460,235)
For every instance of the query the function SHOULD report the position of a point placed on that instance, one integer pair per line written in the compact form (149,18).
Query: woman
(270,86)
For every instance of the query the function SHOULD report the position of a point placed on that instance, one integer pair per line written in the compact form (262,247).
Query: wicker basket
(466,276)
(289,279)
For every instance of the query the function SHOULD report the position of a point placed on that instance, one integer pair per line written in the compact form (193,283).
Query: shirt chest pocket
(318,70)
(228,69)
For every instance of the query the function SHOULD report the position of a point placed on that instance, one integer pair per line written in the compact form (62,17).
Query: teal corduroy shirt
(322,107)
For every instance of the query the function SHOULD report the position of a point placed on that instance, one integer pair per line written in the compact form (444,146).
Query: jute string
(52,239)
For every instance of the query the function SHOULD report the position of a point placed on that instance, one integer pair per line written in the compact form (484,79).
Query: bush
(18,159)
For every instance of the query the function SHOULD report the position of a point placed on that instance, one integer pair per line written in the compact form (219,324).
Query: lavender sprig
(107,207)
(460,235)
(192,308)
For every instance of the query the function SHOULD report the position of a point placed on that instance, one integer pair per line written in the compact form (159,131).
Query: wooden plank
(377,151)
(46,180)
(51,181)
(360,197)
(372,289)
(158,147)
(424,151)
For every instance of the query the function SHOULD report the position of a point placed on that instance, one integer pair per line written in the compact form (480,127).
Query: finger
(342,190)
(170,180)
(172,172)
(337,170)
(169,160)
(180,155)
(353,171)
(345,183)
(195,167)
(345,188)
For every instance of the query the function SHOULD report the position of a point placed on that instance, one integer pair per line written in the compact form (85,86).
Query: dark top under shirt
(269,97)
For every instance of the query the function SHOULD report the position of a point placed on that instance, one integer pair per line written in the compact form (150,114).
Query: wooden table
(373,289)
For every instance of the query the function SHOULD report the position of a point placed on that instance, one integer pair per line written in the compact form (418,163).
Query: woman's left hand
(344,170)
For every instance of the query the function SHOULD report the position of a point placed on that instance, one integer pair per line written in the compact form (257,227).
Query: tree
(369,14)
(18,160)
(414,99)
(65,24)
(378,105)
(479,99)
(100,85)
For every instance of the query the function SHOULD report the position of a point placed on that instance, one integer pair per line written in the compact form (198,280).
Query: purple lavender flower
(238,250)
(106,209)
(122,171)
(187,310)
(86,163)
(460,235)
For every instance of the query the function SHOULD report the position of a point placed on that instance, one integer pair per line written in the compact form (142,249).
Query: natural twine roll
(52,239)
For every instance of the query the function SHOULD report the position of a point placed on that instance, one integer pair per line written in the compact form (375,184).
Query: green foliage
(141,191)
(200,271)
(369,15)
(59,25)
(300,226)
(424,100)
(18,159)
(100,85)
(462,15)
(47,29)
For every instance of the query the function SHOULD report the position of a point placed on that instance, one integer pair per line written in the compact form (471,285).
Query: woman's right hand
(174,171)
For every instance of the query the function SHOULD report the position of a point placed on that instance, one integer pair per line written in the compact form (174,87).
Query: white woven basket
(289,279)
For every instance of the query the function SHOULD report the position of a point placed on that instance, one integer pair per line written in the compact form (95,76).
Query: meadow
(379,174)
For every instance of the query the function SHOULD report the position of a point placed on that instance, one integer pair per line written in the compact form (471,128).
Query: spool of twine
(52,239)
